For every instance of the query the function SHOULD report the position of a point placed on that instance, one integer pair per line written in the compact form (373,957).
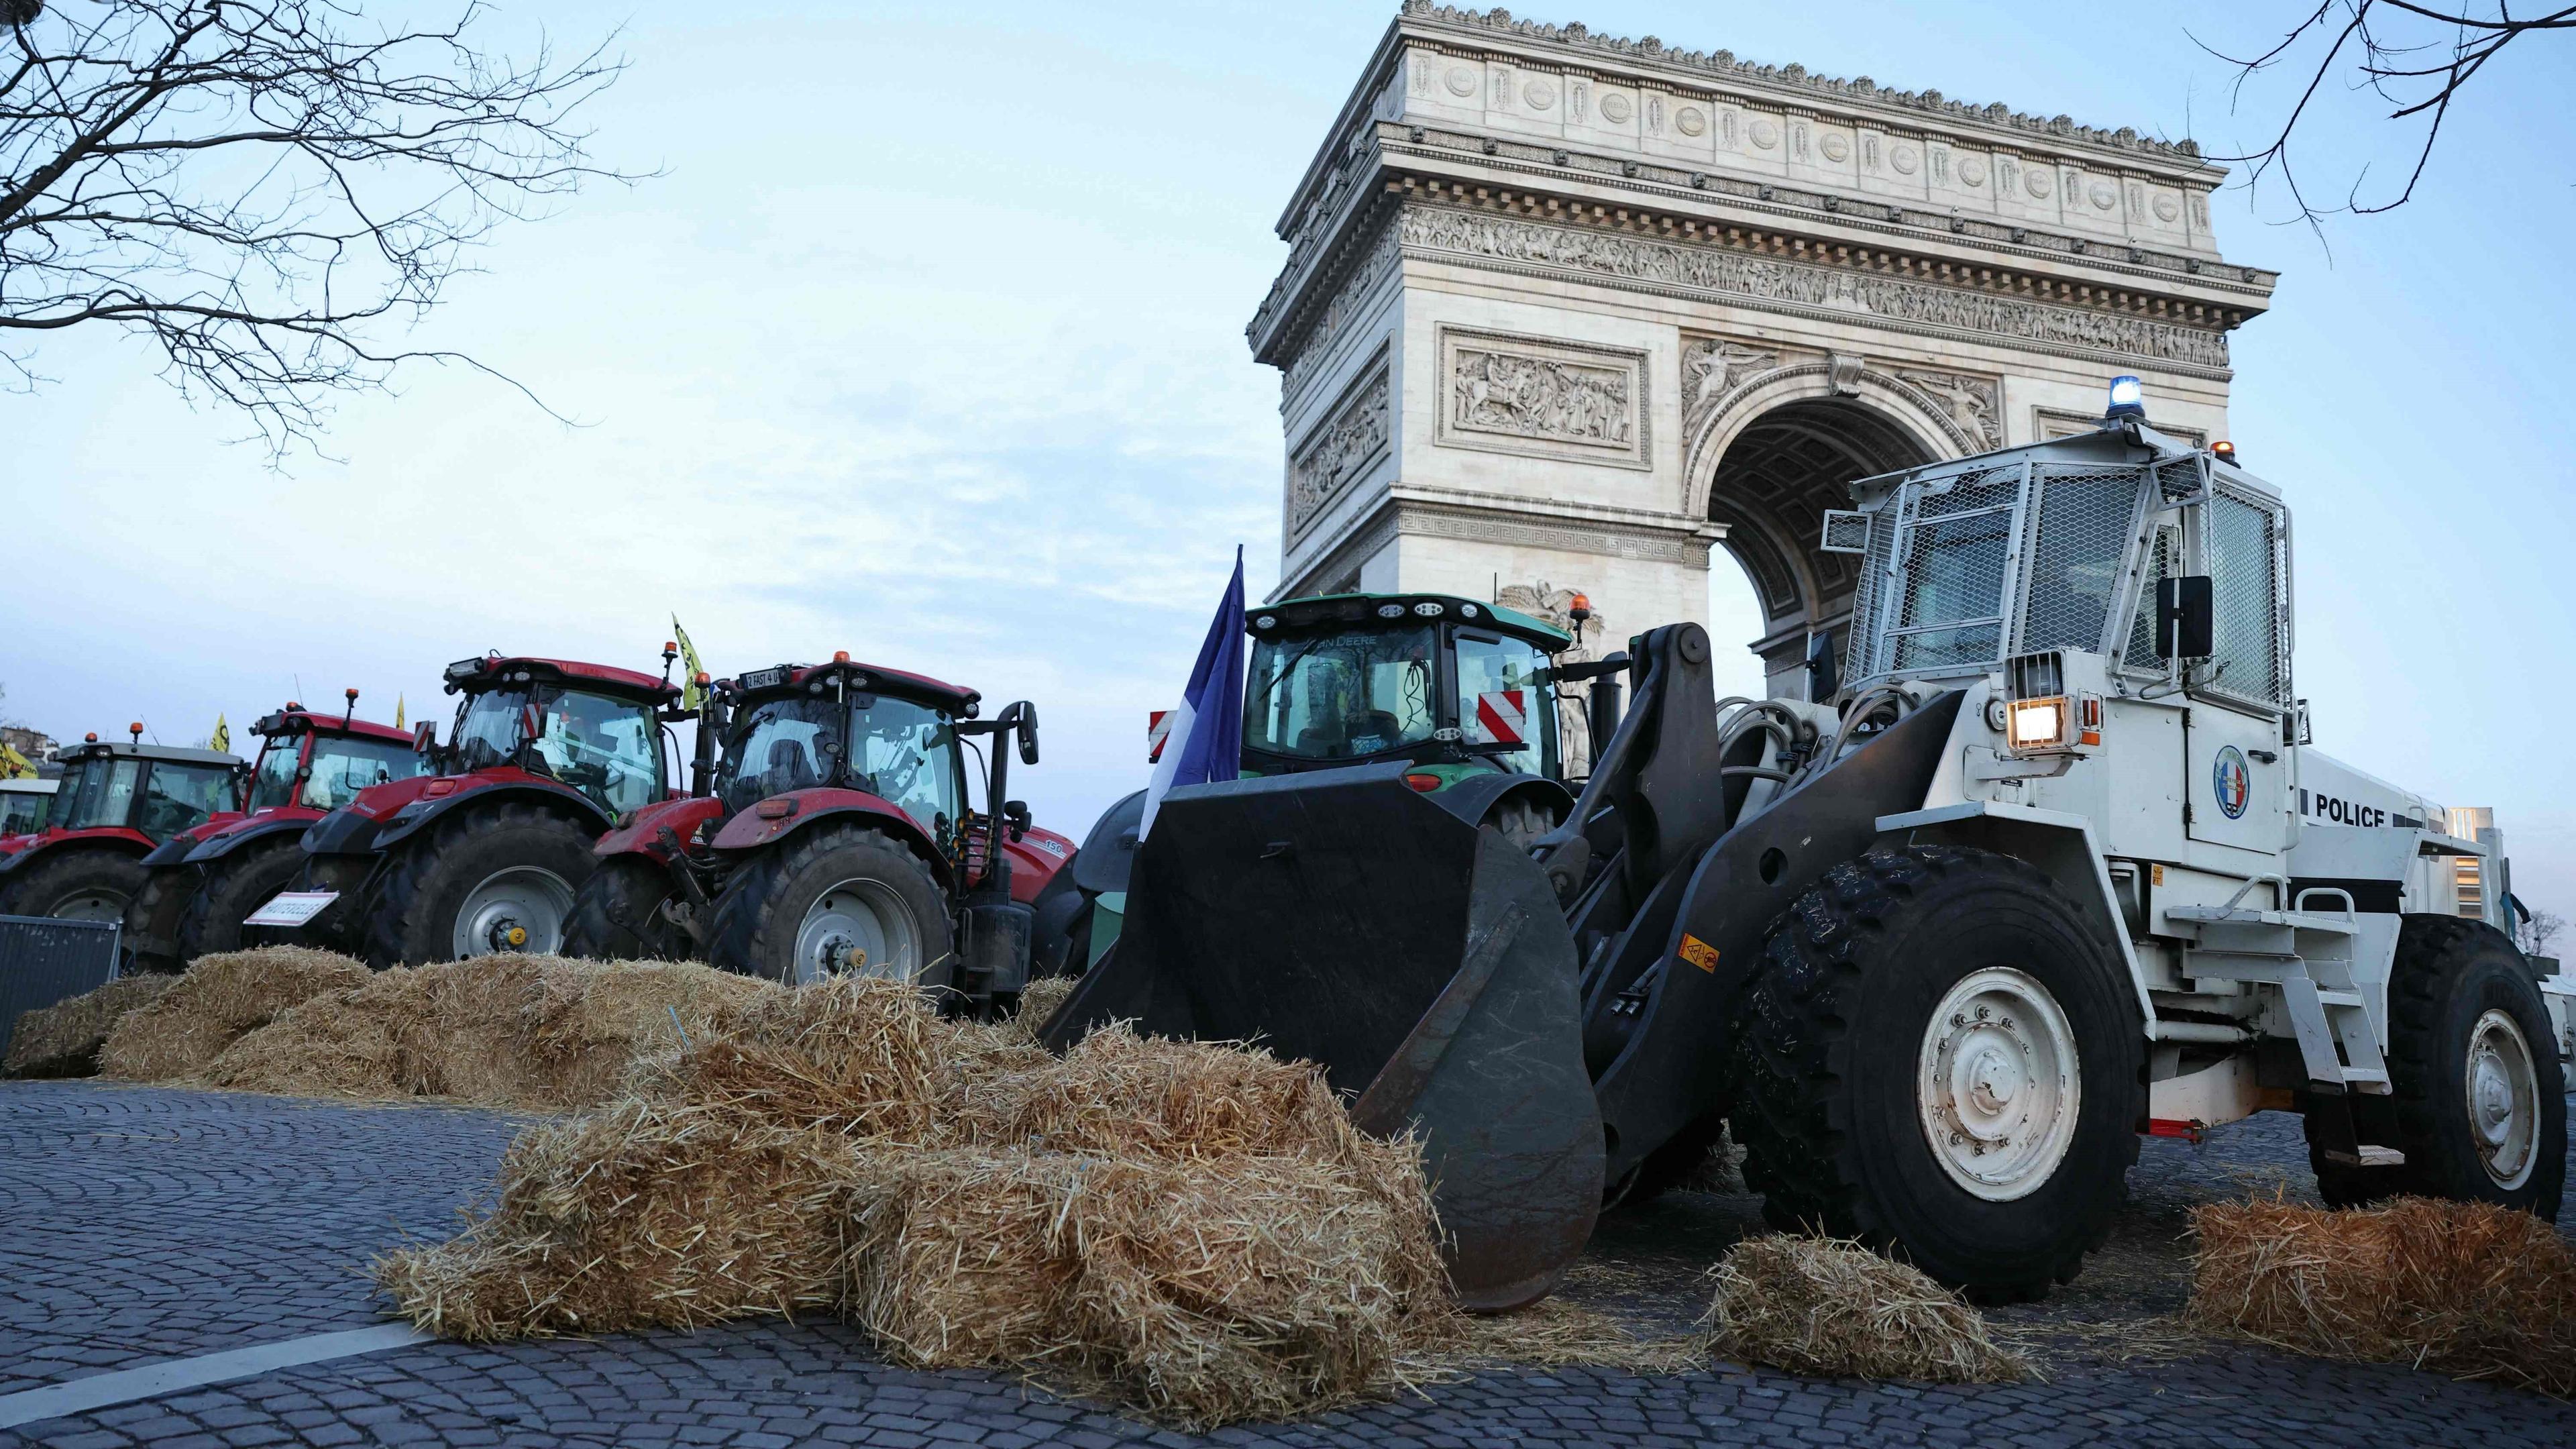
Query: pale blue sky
(928,345)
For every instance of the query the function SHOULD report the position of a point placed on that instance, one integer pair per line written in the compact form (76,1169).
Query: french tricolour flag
(1206,733)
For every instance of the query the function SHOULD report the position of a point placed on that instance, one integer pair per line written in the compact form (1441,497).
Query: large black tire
(1519,820)
(1858,977)
(617,914)
(232,886)
(762,912)
(152,919)
(2449,977)
(90,882)
(413,919)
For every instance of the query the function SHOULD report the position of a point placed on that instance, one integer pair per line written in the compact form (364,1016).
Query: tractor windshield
(903,752)
(272,782)
(605,747)
(22,812)
(1343,696)
(97,791)
(487,728)
(342,767)
(176,796)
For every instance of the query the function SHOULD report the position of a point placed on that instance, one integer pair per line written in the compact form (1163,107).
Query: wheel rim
(91,903)
(519,909)
(2503,1099)
(859,927)
(1998,1084)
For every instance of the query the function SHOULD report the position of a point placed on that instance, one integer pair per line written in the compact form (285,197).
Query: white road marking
(177,1375)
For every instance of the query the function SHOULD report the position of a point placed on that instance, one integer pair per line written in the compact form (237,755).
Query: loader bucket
(1345,919)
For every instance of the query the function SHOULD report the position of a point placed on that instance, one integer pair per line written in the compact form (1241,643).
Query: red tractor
(116,805)
(835,836)
(485,853)
(204,880)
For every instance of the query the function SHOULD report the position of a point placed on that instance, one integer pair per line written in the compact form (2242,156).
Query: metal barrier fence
(43,960)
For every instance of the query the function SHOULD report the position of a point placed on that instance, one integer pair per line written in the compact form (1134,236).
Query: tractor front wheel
(493,880)
(1939,1057)
(153,917)
(834,900)
(74,885)
(2477,1098)
(232,887)
(622,914)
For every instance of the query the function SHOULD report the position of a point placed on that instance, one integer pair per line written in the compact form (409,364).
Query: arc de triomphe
(1571,308)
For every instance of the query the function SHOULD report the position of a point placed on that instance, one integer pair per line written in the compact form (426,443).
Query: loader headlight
(2035,724)
(2128,398)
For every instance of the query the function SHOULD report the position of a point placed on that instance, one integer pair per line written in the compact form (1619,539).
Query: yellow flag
(222,738)
(690,694)
(398,711)
(14,766)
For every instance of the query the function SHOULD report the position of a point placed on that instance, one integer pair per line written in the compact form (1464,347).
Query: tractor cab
(593,728)
(146,792)
(1452,686)
(24,804)
(846,726)
(113,804)
(318,762)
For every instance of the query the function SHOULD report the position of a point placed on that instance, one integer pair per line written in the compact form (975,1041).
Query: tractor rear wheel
(75,884)
(152,919)
(834,900)
(232,887)
(2477,1098)
(498,879)
(618,914)
(1939,1057)
(1520,821)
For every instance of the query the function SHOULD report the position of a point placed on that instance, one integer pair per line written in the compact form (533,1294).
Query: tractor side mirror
(2186,618)
(1028,733)
(1017,813)
(424,737)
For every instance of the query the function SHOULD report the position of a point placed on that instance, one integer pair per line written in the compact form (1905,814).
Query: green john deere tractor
(1462,695)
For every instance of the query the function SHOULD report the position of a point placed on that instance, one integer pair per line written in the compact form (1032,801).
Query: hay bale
(1039,1001)
(63,1040)
(1823,1306)
(1202,1289)
(2474,1289)
(1196,1230)
(645,1215)
(538,1033)
(214,1003)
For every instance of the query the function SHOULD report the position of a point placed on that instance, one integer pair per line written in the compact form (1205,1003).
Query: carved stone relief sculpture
(1543,397)
(1712,367)
(1971,403)
(1341,450)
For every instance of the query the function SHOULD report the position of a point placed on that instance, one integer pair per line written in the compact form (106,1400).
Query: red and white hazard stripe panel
(1502,717)
(1158,733)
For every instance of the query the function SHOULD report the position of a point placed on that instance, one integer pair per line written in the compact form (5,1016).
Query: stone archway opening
(1771,488)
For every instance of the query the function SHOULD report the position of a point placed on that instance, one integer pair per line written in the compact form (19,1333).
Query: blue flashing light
(2128,398)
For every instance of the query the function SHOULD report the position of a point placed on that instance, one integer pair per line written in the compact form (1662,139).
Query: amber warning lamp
(2223,450)
(1579,608)
(136,729)
(840,656)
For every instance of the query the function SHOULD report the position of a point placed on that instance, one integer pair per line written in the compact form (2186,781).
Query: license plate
(291,908)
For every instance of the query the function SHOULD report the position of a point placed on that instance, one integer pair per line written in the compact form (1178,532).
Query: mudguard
(224,842)
(1108,853)
(642,832)
(116,835)
(802,809)
(1346,919)
(426,810)
(1472,798)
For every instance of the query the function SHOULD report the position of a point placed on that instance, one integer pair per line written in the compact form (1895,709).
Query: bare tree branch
(2418,57)
(264,188)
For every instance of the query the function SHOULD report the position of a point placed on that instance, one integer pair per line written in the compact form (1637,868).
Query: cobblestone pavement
(139,1224)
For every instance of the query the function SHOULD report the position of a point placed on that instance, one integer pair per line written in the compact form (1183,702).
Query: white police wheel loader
(2058,867)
